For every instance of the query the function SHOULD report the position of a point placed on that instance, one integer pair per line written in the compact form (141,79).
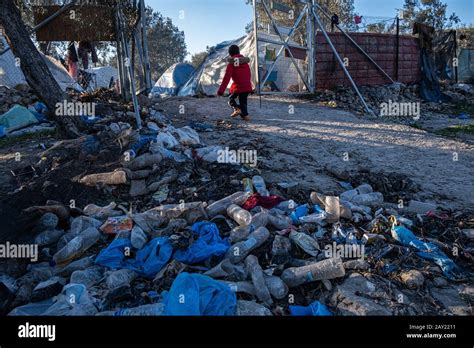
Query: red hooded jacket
(241,78)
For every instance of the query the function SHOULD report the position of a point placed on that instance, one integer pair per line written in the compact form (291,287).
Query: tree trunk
(34,68)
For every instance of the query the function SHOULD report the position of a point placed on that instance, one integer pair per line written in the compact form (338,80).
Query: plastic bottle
(138,237)
(241,216)
(362,189)
(248,186)
(220,206)
(227,269)
(299,212)
(249,308)
(239,234)
(259,185)
(119,278)
(326,269)
(81,223)
(280,222)
(118,177)
(240,250)
(48,237)
(88,277)
(317,218)
(154,309)
(77,246)
(97,212)
(143,161)
(241,286)
(281,248)
(372,199)
(259,220)
(305,242)
(80,264)
(48,221)
(277,287)
(261,290)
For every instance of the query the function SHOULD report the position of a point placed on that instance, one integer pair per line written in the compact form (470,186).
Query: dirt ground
(297,146)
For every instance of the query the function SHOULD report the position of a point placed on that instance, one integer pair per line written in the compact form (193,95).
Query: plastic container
(119,278)
(239,234)
(48,237)
(221,205)
(317,218)
(248,186)
(239,215)
(277,287)
(228,270)
(48,221)
(259,220)
(372,199)
(281,248)
(326,269)
(362,189)
(298,213)
(280,222)
(88,277)
(77,265)
(305,242)
(147,310)
(240,250)
(241,286)
(258,280)
(77,246)
(260,186)
(138,237)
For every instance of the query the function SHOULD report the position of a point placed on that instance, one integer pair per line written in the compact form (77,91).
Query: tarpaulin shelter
(172,80)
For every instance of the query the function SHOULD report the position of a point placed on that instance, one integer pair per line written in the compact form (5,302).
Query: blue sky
(208,22)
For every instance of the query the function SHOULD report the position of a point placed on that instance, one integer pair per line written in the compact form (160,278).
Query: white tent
(103,76)
(11,74)
(172,80)
(207,78)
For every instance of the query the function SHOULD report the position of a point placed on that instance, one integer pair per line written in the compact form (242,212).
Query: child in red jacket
(239,70)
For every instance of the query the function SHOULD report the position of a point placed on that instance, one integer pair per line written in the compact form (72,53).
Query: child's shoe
(236,112)
(246,118)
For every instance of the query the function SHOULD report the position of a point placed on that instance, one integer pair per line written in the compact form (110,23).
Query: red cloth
(241,78)
(266,202)
(358,19)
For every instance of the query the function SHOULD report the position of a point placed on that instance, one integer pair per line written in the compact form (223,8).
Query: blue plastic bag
(209,243)
(196,294)
(148,261)
(428,251)
(314,309)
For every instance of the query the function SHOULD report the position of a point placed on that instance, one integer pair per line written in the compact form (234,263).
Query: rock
(346,301)
(412,279)
(356,264)
(451,300)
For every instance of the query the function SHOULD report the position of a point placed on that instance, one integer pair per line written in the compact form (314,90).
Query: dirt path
(297,146)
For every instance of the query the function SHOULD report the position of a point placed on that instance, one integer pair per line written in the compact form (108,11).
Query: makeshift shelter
(207,78)
(11,74)
(466,65)
(172,80)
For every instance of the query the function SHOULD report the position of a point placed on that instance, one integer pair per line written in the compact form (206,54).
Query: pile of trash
(21,112)
(193,232)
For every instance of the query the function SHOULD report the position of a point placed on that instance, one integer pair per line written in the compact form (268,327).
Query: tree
(34,68)
(198,58)
(166,44)
(430,12)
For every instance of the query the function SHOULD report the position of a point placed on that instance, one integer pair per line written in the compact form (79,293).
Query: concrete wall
(382,49)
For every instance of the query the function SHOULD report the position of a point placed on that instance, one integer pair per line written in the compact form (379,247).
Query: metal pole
(255,32)
(397,58)
(146,57)
(361,50)
(46,21)
(310,37)
(328,39)
(456,55)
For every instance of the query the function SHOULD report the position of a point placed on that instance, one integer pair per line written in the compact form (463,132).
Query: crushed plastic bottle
(77,246)
(48,237)
(240,250)
(305,242)
(88,277)
(138,237)
(317,218)
(249,308)
(221,205)
(326,269)
(281,248)
(258,280)
(277,287)
(119,278)
(155,309)
(298,213)
(280,222)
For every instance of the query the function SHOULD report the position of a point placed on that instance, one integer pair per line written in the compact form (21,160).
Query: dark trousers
(242,105)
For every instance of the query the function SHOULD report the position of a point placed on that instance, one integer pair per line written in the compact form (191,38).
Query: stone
(347,301)
(412,279)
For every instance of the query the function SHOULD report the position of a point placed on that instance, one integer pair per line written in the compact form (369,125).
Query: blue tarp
(148,261)
(209,243)
(427,251)
(196,294)
(172,79)
(314,309)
